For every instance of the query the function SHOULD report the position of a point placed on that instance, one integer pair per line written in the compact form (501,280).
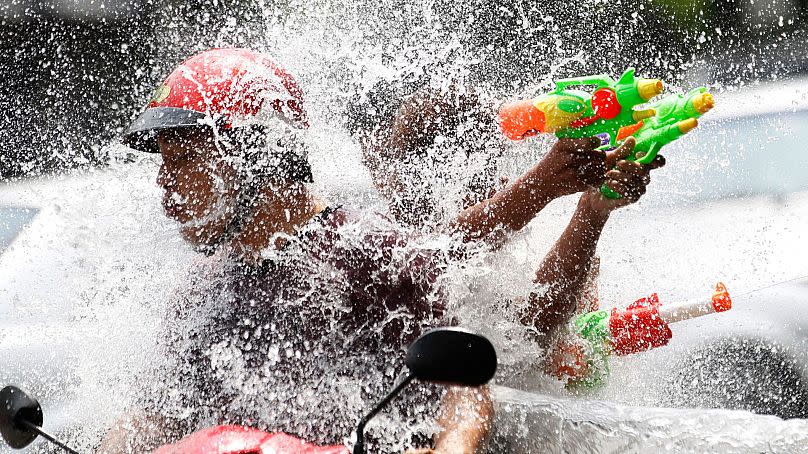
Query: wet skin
(200,192)
(197,184)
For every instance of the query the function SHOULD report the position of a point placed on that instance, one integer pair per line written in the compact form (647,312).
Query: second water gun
(608,113)
(643,325)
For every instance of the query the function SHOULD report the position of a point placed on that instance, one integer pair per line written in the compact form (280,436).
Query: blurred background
(76,71)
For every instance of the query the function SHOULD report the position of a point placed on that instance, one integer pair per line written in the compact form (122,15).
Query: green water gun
(675,116)
(610,112)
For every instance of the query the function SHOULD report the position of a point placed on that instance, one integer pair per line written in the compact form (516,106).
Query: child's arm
(562,274)
(465,419)
(572,165)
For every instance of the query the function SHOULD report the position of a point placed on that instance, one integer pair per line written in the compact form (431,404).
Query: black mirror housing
(15,405)
(452,356)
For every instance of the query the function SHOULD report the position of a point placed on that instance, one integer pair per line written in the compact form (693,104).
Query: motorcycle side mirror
(452,356)
(16,406)
(21,419)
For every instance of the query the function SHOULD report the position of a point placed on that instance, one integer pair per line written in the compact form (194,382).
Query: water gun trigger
(651,154)
(609,193)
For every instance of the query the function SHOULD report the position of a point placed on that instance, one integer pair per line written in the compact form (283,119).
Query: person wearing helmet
(297,319)
(246,114)
(396,125)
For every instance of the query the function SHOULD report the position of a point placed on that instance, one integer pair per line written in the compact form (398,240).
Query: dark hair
(376,108)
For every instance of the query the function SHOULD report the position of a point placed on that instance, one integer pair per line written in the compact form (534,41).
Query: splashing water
(88,282)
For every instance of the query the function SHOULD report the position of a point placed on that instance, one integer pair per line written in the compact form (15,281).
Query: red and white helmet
(226,88)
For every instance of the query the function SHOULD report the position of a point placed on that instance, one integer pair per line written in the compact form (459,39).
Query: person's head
(428,150)
(224,122)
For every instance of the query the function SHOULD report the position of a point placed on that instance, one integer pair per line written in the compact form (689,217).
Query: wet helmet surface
(225,88)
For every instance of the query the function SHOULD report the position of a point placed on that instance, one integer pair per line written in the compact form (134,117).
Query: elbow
(550,311)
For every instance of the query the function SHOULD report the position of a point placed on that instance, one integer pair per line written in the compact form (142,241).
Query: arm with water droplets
(465,420)
(562,274)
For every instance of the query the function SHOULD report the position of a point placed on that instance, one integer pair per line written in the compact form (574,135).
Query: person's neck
(276,218)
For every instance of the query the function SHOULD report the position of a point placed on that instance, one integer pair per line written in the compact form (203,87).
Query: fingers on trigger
(638,192)
(629,187)
(616,186)
(623,151)
(616,175)
(586,144)
(627,146)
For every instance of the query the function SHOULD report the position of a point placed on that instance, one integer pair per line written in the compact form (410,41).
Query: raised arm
(562,275)
(571,166)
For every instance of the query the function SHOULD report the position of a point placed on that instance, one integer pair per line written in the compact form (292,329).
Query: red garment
(244,440)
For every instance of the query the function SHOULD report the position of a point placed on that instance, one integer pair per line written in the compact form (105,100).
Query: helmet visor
(142,134)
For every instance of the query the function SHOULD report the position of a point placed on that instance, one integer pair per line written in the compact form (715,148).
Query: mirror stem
(34,428)
(359,446)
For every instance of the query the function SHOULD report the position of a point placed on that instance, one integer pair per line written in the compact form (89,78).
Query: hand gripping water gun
(641,326)
(608,113)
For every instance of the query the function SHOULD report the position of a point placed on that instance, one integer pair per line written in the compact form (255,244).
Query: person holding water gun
(587,126)
(610,113)
(296,317)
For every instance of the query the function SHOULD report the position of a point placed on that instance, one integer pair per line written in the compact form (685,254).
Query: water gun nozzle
(703,103)
(686,126)
(721,300)
(520,119)
(640,115)
(648,88)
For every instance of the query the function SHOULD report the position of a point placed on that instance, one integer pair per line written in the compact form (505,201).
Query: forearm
(562,275)
(466,417)
(508,210)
